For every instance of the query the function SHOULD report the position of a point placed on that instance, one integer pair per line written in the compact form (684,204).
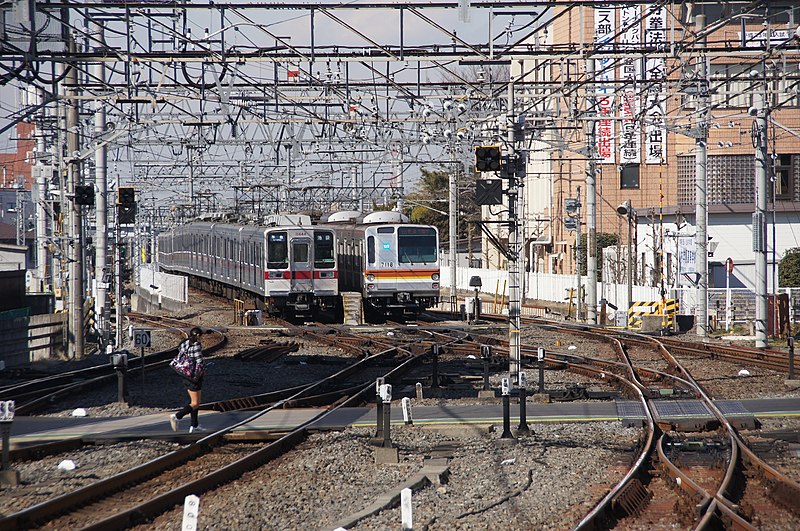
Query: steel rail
(52,508)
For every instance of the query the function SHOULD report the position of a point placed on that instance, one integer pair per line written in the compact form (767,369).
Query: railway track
(147,490)
(709,477)
(713,479)
(33,394)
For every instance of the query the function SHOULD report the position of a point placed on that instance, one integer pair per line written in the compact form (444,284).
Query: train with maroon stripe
(392,263)
(287,267)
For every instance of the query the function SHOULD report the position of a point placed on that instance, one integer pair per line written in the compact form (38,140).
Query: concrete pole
(760,217)
(397,165)
(42,215)
(578,259)
(629,267)
(118,280)
(100,201)
(591,200)
(75,251)
(701,197)
(514,348)
(453,229)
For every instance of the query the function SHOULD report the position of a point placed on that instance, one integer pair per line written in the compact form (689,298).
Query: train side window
(277,251)
(371,249)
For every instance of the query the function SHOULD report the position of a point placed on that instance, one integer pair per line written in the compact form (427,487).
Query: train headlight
(370,278)
(435,276)
(370,286)
(435,285)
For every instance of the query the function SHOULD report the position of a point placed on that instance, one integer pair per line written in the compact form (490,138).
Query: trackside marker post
(407,411)
(406,509)
(435,350)
(8,477)
(523,415)
(540,356)
(386,397)
(385,453)
(506,392)
(191,509)
(379,408)
(486,356)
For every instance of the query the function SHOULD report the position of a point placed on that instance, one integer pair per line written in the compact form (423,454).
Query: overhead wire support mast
(701,197)
(514,349)
(591,204)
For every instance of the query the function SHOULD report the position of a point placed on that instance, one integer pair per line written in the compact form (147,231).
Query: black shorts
(193,385)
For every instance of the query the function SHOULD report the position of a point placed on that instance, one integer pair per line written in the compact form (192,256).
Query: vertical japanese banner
(631,74)
(655,36)
(605,26)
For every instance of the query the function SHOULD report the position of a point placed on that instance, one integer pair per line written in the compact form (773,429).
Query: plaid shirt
(194,351)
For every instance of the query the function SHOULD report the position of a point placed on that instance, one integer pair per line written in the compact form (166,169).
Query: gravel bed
(785,454)
(570,465)
(42,479)
(722,379)
(333,475)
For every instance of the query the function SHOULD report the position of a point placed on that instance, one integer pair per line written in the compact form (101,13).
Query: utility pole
(43,175)
(514,348)
(75,241)
(101,211)
(701,197)
(759,135)
(591,201)
(578,256)
(118,279)
(453,228)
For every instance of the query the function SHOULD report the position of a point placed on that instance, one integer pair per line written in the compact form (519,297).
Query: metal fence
(556,288)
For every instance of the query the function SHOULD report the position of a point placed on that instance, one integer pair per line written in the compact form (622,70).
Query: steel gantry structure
(264,107)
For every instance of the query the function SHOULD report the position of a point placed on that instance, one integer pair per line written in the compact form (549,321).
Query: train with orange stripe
(392,263)
(287,267)
(293,268)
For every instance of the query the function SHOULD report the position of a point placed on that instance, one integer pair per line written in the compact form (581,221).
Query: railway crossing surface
(28,431)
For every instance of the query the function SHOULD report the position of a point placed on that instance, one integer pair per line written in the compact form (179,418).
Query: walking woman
(193,384)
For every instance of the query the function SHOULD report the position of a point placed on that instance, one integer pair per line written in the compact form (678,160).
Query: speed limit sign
(141,338)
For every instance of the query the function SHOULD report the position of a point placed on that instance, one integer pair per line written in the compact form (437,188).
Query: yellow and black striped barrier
(668,309)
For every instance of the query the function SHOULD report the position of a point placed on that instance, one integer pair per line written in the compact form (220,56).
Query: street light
(625,209)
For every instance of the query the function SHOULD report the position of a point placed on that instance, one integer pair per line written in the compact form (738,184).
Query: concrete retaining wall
(27,339)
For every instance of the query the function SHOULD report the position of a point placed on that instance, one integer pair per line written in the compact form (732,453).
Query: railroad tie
(631,499)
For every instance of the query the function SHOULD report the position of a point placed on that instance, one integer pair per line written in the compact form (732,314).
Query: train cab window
(299,252)
(371,249)
(323,250)
(277,251)
(416,245)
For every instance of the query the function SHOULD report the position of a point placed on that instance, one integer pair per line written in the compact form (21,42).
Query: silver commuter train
(393,264)
(288,268)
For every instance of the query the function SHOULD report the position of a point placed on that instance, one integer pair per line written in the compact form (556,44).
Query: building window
(629,176)
(783,177)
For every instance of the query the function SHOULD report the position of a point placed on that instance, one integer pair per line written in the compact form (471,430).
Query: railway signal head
(126,204)
(487,158)
(84,194)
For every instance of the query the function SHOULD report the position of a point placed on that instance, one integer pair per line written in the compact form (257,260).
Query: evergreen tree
(429,203)
(789,268)
(604,239)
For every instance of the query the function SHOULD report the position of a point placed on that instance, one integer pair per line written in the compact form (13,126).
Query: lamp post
(625,209)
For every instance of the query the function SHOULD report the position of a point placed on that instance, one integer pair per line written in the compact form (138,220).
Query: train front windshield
(323,250)
(416,245)
(277,251)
